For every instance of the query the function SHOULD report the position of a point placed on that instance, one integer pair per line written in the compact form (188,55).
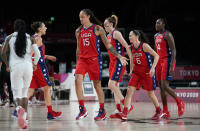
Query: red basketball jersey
(161,45)
(41,49)
(115,43)
(89,43)
(42,72)
(142,60)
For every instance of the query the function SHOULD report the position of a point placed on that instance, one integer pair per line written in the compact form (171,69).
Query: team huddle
(29,72)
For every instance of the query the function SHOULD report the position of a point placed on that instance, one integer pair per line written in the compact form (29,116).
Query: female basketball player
(41,75)
(89,60)
(143,71)
(20,63)
(165,47)
(115,70)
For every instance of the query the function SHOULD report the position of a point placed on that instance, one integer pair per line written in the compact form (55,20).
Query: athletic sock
(49,108)
(125,111)
(178,100)
(101,105)
(158,109)
(118,106)
(81,102)
(165,108)
(122,101)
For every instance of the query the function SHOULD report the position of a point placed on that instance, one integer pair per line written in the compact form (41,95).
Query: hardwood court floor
(139,118)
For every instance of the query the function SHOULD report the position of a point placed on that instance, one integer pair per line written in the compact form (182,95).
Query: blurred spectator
(2,35)
(5,79)
(9,28)
(73,66)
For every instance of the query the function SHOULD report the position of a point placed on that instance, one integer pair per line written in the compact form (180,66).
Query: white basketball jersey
(14,58)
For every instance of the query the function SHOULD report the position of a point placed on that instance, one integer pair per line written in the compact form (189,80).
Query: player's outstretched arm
(100,31)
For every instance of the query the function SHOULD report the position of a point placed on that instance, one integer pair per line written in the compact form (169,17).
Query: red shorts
(40,78)
(92,66)
(162,69)
(142,79)
(116,70)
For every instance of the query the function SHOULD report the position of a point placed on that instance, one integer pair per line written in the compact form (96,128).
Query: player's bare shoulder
(9,37)
(168,34)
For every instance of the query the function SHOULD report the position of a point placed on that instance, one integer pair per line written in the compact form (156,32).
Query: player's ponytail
(113,19)
(93,19)
(142,36)
(20,43)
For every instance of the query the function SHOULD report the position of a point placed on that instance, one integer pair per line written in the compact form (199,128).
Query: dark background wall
(182,17)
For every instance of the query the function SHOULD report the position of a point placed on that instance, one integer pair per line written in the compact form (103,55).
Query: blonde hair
(113,19)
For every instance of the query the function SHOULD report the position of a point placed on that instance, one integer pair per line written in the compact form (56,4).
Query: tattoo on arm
(113,51)
(106,42)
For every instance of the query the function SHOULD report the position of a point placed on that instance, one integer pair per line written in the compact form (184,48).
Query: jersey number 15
(86,42)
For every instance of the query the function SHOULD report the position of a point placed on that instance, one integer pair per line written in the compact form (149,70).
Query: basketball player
(41,75)
(20,44)
(115,70)
(89,60)
(165,47)
(143,71)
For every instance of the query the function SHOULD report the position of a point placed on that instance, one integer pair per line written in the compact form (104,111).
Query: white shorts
(21,76)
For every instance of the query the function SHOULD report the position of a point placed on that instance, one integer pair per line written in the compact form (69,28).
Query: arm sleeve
(37,53)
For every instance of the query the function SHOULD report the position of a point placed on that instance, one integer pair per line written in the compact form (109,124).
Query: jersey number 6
(138,60)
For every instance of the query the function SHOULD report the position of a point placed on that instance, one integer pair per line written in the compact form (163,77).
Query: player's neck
(39,34)
(87,25)
(162,31)
(136,43)
(111,30)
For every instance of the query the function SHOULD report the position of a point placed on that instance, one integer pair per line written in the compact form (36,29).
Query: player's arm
(100,31)
(38,41)
(117,35)
(148,49)
(0,57)
(77,32)
(170,40)
(131,62)
(4,52)
(50,57)
(35,50)
(154,42)
(0,47)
